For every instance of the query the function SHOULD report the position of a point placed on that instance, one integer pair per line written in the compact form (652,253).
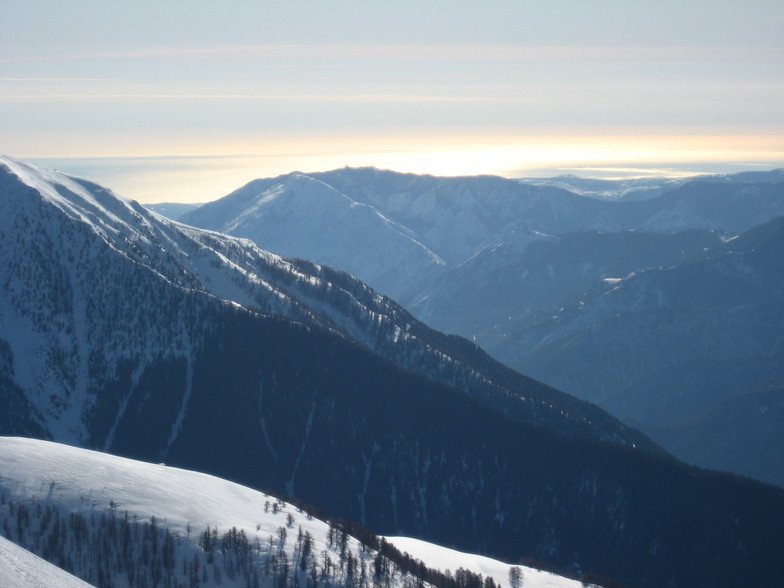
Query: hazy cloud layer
(91,78)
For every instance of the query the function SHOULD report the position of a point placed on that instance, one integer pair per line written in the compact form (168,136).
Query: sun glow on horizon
(189,101)
(208,171)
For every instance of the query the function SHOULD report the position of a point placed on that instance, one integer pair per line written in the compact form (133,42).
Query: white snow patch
(443,558)
(21,569)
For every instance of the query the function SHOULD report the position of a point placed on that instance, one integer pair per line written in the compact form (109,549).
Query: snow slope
(80,480)
(443,558)
(21,569)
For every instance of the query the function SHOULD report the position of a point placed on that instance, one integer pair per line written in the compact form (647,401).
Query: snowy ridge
(622,189)
(185,503)
(306,218)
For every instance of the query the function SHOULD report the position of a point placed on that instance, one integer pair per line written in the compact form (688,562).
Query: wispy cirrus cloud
(55,79)
(338,98)
(439,52)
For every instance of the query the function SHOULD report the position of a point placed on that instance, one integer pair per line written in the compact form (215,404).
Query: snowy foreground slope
(37,475)
(21,569)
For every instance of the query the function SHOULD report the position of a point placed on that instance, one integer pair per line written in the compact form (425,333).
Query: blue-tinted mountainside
(515,254)
(527,276)
(397,231)
(668,347)
(729,436)
(151,339)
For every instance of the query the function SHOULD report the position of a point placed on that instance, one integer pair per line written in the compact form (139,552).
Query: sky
(188,100)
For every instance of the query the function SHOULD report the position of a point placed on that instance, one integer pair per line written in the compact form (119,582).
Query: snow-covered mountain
(78,261)
(260,539)
(623,189)
(401,228)
(306,218)
(647,187)
(125,332)
(452,219)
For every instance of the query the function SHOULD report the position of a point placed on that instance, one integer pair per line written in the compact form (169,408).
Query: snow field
(187,503)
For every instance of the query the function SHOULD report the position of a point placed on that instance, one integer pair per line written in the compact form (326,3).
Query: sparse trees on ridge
(112,546)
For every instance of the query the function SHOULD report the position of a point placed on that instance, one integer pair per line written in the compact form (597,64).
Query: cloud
(338,98)
(51,79)
(435,52)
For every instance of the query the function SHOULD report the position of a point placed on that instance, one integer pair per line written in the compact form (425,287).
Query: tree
(515,577)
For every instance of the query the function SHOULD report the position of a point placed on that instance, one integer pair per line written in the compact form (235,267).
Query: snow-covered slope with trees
(238,536)
(78,261)
(503,574)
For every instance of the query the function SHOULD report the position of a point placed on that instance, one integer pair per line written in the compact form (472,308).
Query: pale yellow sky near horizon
(150,92)
(199,178)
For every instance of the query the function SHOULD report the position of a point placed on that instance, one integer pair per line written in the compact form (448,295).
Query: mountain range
(138,336)
(448,220)
(523,268)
